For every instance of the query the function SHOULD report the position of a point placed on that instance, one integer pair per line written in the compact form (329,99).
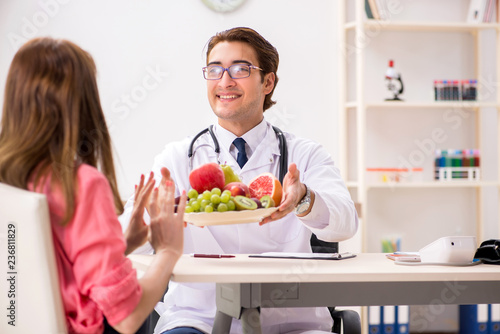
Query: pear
(229,174)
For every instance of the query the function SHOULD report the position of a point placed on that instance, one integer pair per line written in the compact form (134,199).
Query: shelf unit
(355,101)
(359,26)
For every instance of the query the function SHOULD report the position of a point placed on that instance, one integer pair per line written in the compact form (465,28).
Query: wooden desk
(245,284)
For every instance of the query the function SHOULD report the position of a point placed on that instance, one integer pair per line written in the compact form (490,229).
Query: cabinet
(427,43)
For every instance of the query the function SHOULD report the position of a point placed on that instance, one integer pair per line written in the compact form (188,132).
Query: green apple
(229,175)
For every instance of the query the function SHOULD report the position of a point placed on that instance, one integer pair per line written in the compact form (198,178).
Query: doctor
(241,77)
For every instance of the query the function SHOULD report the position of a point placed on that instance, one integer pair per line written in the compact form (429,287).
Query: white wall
(129,39)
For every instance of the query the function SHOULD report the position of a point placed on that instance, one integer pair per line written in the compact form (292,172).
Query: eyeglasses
(237,71)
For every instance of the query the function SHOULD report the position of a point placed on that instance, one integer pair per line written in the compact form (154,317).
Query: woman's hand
(167,226)
(165,235)
(137,231)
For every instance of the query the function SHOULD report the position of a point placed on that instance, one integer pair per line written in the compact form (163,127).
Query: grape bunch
(210,201)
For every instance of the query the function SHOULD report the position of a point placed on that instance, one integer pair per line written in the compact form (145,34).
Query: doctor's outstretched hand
(293,191)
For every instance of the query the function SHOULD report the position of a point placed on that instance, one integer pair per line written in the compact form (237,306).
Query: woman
(54,140)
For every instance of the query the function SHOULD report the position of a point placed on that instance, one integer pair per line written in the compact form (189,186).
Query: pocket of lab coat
(284,230)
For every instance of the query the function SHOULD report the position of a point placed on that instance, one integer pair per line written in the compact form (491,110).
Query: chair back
(320,246)
(29,285)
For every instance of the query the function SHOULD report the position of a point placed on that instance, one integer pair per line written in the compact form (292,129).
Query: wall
(149,55)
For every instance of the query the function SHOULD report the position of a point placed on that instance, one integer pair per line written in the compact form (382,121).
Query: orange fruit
(266,184)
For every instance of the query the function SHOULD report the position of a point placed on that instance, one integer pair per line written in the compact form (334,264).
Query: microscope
(392,78)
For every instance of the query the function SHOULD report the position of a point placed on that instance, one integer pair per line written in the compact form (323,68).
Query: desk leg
(250,321)
(239,301)
(222,323)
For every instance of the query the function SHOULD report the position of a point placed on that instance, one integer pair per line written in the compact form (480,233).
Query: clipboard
(309,256)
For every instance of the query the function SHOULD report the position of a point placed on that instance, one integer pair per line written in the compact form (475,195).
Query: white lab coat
(333,218)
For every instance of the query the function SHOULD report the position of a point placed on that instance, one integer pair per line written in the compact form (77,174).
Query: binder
(482,318)
(389,319)
(474,319)
(494,323)
(368,10)
(488,11)
(382,9)
(477,9)
(374,9)
(374,319)
(497,5)
(403,318)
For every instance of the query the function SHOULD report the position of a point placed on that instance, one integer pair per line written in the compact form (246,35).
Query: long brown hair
(267,55)
(52,120)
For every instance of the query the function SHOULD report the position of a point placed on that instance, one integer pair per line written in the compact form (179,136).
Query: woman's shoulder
(89,172)
(89,176)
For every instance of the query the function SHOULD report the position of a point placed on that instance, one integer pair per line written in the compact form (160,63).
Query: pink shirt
(96,278)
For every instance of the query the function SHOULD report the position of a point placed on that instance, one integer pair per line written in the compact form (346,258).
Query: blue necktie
(242,154)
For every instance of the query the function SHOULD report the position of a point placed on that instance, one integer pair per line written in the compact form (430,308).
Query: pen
(213,256)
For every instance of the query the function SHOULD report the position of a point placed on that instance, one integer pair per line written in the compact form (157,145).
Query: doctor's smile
(227,97)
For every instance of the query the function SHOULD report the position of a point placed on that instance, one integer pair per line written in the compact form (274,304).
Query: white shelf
(406,26)
(351,104)
(351,184)
(434,184)
(430,105)
(427,105)
(431,184)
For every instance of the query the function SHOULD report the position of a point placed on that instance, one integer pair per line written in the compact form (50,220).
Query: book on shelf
(497,10)
(478,11)
(373,9)
(488,13)
(368,10)
(383,11)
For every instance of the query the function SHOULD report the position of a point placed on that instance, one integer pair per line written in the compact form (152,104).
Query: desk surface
(366,267)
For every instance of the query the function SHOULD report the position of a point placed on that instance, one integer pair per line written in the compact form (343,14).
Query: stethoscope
(283,163)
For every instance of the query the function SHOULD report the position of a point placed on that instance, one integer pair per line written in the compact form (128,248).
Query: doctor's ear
(269,83)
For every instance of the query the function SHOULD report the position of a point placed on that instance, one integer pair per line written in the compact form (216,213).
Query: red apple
(207,177)
(238,189)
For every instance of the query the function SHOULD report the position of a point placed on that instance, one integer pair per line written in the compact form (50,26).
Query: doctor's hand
(137,230)
(293,191)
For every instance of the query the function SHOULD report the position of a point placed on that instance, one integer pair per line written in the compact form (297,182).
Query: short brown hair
(267,55)
(52,119)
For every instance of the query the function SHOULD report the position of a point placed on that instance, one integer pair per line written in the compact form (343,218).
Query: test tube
(473,90)
(455,96)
